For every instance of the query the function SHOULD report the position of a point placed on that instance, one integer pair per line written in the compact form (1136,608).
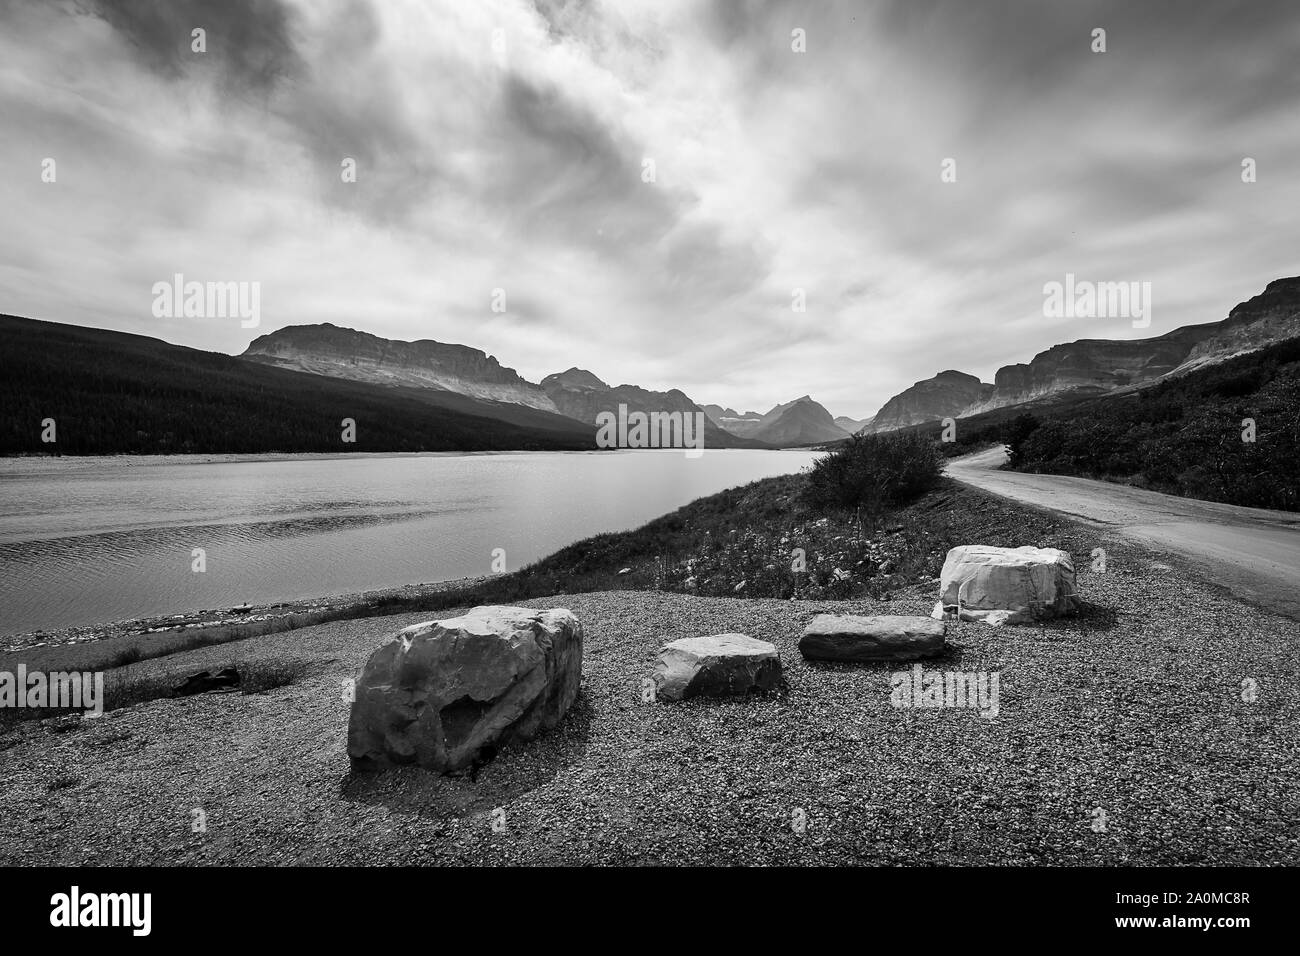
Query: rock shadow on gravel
(952,654)
(1088,617)
(512,772)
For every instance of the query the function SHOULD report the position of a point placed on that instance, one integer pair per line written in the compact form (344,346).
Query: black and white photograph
(650,436)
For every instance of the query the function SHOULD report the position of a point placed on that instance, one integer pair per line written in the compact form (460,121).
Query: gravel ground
(1135,708)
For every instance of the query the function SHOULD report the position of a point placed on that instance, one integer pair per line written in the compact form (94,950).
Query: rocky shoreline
(257,617)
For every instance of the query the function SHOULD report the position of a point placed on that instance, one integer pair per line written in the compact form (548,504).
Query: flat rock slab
(849,637)
(1006,585)
(447,694)
(205,681)
(719,665)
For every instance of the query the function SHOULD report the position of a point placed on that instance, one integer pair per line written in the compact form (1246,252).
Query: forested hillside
(114,393)
(1188,435)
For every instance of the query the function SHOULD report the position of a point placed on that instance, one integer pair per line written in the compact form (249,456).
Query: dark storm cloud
(757,37)
(250,39)
(347,105)
(563,174)
(354,105)
(556,167)
(746,24)
(1026,108)
(1195,56)
(562,17)
(701,267)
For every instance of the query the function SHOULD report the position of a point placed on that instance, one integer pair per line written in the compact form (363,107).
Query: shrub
(132,654)
(256,677)
(1044,444)
(873,471)
(1014,433)
(1184,435)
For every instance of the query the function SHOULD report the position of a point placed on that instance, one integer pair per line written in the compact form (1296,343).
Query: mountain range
(800,422)
(1080,369)
(113,393)
(577,394)
(852,425)
(442,396)
(1095,367)
(327,349)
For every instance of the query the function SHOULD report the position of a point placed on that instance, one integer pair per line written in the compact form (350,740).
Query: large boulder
(1006,585)
(447,694)
(716,666)
(848,637)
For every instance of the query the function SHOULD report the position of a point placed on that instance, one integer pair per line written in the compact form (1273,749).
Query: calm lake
(92,540)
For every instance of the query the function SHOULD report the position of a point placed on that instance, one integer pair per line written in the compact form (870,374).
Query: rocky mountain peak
(574,378)
(327,349)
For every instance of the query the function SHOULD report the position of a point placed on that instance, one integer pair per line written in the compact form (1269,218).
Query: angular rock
(447,694)
(1006,585)
(204,681)
(849,637)
(716,666)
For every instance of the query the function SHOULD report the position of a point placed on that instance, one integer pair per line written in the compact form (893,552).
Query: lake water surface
(92,540)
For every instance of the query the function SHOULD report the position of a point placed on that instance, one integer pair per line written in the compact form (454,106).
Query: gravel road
(1254,552)
(1124,736)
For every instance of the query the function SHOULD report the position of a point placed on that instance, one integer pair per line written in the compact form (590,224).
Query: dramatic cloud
(652,182)
(250,38)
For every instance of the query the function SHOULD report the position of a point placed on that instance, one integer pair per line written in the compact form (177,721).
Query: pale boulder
(447,694)
(715,666)
(1006,585)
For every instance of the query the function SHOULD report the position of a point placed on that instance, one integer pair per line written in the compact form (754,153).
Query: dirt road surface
(1253,552)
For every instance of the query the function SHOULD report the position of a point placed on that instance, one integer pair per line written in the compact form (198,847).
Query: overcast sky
(501,144)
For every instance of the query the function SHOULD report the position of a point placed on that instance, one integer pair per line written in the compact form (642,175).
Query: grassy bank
(759,540)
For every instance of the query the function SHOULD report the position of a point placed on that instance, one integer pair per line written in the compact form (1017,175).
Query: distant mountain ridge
(792,424)
(582,395)
(578,394)
(1088,367)
(114,393)
(327,349)
(720,416)
(853,425)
